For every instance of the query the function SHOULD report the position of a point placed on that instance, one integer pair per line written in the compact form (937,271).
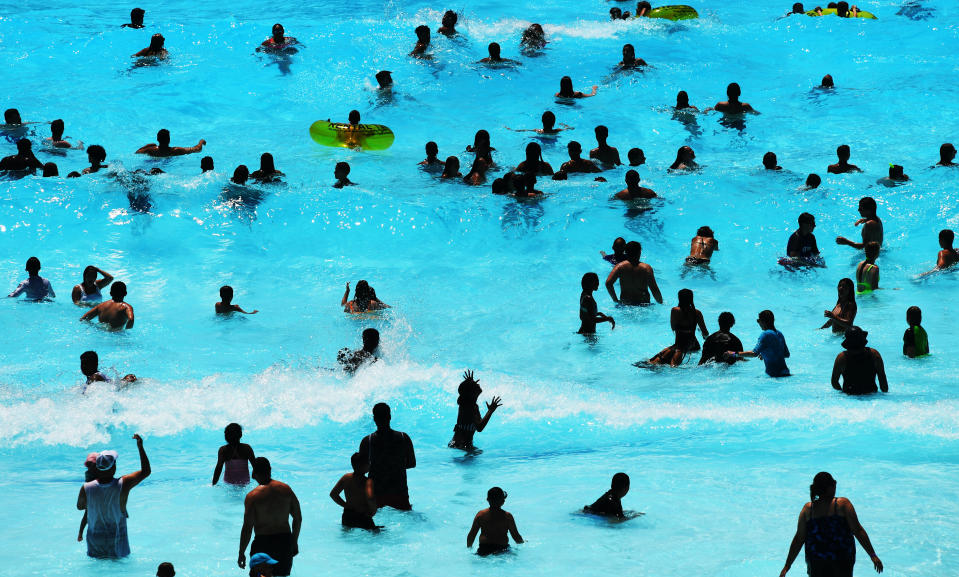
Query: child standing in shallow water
(494,523)
(359,505)
(915,342)
(234,455)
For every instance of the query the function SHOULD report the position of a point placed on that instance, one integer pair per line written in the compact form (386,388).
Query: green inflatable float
(677,12)
(342,135)
(832,12)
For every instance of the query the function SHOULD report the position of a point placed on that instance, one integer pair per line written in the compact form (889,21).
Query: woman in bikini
(683,319)
(842,315)
(234,455)
(364,299)
(702,247)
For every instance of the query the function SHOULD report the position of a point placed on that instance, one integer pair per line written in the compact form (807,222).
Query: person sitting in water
(384,80)
(56,139)
(685,159)
(267,171)
(36,287)
(448,22)
(341,173)
(733,104)
(87,292)
(575,162)
(155,49)
(636,157)
(493,524)
(947,153)
(858,365)
(352,360)
(206,164)
(240,175)
(682,103)
(494,56)
(23,161)
(629,58)
(277,42)
(872,226)
(717,346)
(771,346)
(451,168)
(549,126)
(234,456)
(802,243)
(812,181)
(432,162)
(534,162)
(604,153)
(566,89)
(163,149)
(842,316)
(643,8)
(683,320)
(50,169)
(360,503)
(226,306)
(422,43)
(895,178)
(533,39)
(915,341)
(636,279)
(619,254)
(468,419)
(633,191)
(136,19)
(769,161)
(90,368)
(843,166)
(589,315)
(611,504)
(702,246)
(113,312)
(364,299)
(867,271)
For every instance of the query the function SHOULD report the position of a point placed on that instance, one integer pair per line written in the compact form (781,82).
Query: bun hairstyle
(823,485)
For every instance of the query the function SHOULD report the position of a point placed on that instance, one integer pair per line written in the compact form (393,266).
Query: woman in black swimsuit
(683,319)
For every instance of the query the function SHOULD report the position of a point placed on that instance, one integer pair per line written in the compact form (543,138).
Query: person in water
(352,360)
(947,154)
(827,82)
(468,419)
(240,175)
(796,9)
(589,315)
(619,251)
(566,89)
(278,42)
(802,243)
(611,504)
(812,181)
(948,256)
(50,169)
(842,316)
(826,528)
(364,299)
(360,503)
(155,49)
(843,166)
(629,58)
(682,103)
(915,341)
(226,306)
(163,149)
(267,510)
(702,247)
(165,569)
(104,499)
(35,287)
(390,454)
(771,346)
(87,292)
(267,171)
(549,126)
(432,162)
(604,153)
(481,146)
(636,279)
(493,524)
(234,455)
(96,154)
(685,159)
(617,14)
(576,163)
(477,174)
(859,366)
(448,27)
(633,190)
(733,104)
(525,186)
(23,161)
(341,172)
(867,271)
(206,164)
(683,320)
(718,346)
(494,56)
(534,162)
(113,312)
(895,178)
(384,80)
(56,138)
(451,168)
(643,8)
(533,39)
(90,368)
(422,43)
(636,157)
(872,226)
(136,19)
(769,161)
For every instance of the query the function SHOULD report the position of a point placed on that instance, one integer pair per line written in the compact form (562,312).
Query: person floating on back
(493,524)
(360,504)
(226,306)
(113,312)
(353,360)
(468,419)
(610,504)
(771,346)
(35,287)
(234,456)
(915,341)
(163,149)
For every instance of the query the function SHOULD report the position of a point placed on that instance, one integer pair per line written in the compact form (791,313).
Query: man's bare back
(271,506)
(636,281)
(358,491)
(116,314)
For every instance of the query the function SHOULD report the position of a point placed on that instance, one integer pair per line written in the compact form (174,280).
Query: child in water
(867,272)
(915,342)
(494,523)
(610,504)
(234,455)
(89,475)
(226,306)
(360,505)
(468,420)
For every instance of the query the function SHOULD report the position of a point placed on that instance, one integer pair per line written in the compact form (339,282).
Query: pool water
(720,457)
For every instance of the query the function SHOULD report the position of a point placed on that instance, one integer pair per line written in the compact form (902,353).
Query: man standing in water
(871,225)
(104,499)
(267,510)
(636,279)
(390,454)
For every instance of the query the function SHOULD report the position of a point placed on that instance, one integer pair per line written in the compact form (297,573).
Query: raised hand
(494,404)
(468,376)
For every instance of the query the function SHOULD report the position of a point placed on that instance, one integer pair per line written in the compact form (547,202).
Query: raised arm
(133,479)
(181,150)
(346,296)
(473,531)
(106,280)
(799,539)
(860,533)
(490,408)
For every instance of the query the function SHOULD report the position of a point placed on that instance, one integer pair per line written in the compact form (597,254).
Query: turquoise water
(720,458)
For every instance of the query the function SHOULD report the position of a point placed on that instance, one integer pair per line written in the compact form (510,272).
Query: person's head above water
(896,172)
(262,470)
(233,433)
(842,9)
(843,152)
(449,19)
(615,13)
(118,291)
(12,116)
(371,340)
(632,178)
(266,162)
(685,154)
(382,415)
(733,91)
(533,153)
(726,321)
(89,363)
(226,294)
(947,152)
(855,338)
(767,320)
(33,266)
(341,171)
(96,154)
(384,78)
(705,232)
(633,251)
(872,250)
(807,223)
(636,157)
(423,34)
(481,140)
(629,53)
(575,149)
(549,120)
(914,316)
(165,569)
(867,205)
(493,50)
(56,129)
(827,81)
(946,238)
(682,99)
(798,8)
(769,161)
(277,33)
(354,117)
(50,169)
(136,16)
(643,8)
(823,488)
(432,149)
(619,245)
(206,163)
(619,485)
(846,289)
(240,175)
(163,138)
(566,86)
(602,133)
(813,180)
(496,497)
(451,166)
(24,147)
(590,281)
(156,41)
(685,297)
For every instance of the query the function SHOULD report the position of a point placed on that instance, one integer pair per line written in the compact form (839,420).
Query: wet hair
(726,320)
(842,8)
(357,462)
(868,202)
(798,8)
(947,150)
(601,130)
(914,315)
(895,171)
(769,160)
(704,231)
(383,77)
(24,146)
(371,339)
(589,279)
(432,146)
(643,4)
(226,293)
(233,433)
(452,166)
(872,249)
(241,174)
(89,362)
(813,180)
(498,186)
(381,411)
(827,81)
(682,99)
(341,166)
(636,153)
(533,151)
(620,481)
(534,35)
(566,86)
(767,317)
(632,177)
(206,163)
(946,237)
(137,12)
(481,138)
(685,298)
(733,90)
(619,245)
(496,493)
(89,270)
(33,265)
(449,16)
(354,117)
(633,250)
(423,33)
(95,151)
(261,466)
(843,151)
(479,166)
(573,145)
(823,485)
(493,49)
(164,569)
(266,162)
(50,169)
(629,48)
(163,136)
(56,126)
(615,13)
(12,116)
(806,218)
(118,289)
(850,287)
(550,118)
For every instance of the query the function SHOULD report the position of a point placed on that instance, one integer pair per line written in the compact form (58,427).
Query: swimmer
(895,178)
(797,9)
(575,162)
(643,9)
(384,80)
(113,312)
(341,173)
(96,154)
(240,175)
(682,103)
(525,186)
(802,243)
(843,166)
(364,299)
(610,504)
(566,89)
(492,524)
(468,419)
(867,271)
(155,49)
(702,246)
(619,252)
(56,139)
(812,181)
(603,152)
(477,174)
(769,161)
(234,455)
(352,360)
(770,347)
(589,315)
(947,153)
(534,162)
(717,346)
(267,172)
(494,56)
(629,58)
(683,320)
(23,161)
(163,149)
(451,168)
(226,306)
(872,226)
(481,147)
(36,287)
(636,157)
(533,39)
(360,503)
(859,366)
(206,164)
(422,43)
(915,341)
(448,22)
(136,19)
(685,159)
(165,570)
(732,105)
(948,256)
(636,279)
(50,169)
(90,368)
(842,316)
(277,42)
(633,191)
(549,126)
(87,292)
(432,162)
(827,82)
